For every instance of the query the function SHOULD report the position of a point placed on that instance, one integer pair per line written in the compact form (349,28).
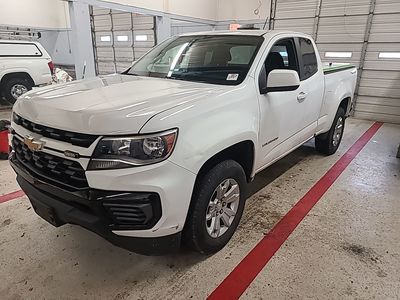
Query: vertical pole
(316,21)
(272,14)
(364,51)
(81,35)
(92,28)
(113,41)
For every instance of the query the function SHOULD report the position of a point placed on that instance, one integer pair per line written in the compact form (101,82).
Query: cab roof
(253,32)
(18,42)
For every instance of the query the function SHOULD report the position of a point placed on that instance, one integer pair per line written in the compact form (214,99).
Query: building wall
(35,13)
(204,9)
(243,10)
(58,45)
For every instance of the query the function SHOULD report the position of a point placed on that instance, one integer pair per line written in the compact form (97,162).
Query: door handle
(301,97)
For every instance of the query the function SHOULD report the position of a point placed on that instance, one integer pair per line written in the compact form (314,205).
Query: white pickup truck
(23,65)
(163,152)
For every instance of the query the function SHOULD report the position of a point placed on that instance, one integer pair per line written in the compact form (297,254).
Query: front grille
(78,139)
(56,170)
(133,210)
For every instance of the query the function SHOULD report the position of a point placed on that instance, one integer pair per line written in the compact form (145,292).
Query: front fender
(210,125)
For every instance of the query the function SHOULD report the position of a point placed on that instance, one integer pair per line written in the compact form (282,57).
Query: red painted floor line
(234,285)
(11,196)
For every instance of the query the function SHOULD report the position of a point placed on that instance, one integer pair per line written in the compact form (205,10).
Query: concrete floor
(347,247)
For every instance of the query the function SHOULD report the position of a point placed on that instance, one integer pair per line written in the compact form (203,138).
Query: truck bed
(337,68)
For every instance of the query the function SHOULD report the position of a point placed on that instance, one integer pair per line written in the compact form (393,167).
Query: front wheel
(217,207)
(327,143)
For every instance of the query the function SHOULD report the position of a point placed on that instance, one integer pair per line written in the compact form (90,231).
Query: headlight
(130,151)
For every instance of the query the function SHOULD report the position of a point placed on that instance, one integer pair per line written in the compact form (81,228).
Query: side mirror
(281,80)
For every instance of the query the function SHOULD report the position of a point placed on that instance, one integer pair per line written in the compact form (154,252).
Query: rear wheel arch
(23,75)
(345,104)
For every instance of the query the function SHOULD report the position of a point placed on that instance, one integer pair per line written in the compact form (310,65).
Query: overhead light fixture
(339,54)
(395,55)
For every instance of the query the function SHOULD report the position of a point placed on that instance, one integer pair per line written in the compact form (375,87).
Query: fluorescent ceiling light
(339,54)
(122,38)
(141,38)
(105,38)
(389,55)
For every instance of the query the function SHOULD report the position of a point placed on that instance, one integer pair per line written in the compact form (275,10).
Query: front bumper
(87,209)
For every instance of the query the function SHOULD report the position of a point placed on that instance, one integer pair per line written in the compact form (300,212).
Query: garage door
(341,30)
(338,26)
(119,38)
(379,93)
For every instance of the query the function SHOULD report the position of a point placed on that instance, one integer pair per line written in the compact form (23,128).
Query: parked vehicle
(163,152)
(23,65)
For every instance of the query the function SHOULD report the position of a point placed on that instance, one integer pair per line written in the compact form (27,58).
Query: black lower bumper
(58,207)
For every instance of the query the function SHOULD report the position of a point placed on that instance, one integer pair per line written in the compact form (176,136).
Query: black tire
(8,85)
(195,233)
(325,143)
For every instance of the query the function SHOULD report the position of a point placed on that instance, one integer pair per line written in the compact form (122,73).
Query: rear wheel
(217,207)
(327,143)
(15,87)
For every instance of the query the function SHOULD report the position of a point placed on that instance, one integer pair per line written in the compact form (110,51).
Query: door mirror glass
(282,80)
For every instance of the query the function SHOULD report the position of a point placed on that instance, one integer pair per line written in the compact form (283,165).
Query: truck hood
(115,104)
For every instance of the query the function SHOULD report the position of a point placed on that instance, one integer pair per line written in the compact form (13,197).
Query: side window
(309,64)
(282,56)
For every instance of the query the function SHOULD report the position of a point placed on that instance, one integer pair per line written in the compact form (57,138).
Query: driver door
(281,117)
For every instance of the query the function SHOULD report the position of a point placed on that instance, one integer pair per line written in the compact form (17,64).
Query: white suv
(23,65)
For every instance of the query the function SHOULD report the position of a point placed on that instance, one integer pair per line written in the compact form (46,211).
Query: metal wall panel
(302,25)
(379,89)
(349,29)
(354,48)
(120,38)
(294,9)
(122,21)
(342,26)
(100,11)
(124,54)
(102,22)
(344,7)
(142,22)
(387,6)
(180,27)
(385,28)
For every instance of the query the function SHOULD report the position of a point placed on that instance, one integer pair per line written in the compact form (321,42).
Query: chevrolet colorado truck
(161,154)
(23,65)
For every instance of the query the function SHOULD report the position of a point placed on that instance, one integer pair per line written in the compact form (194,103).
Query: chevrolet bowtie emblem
(32,144)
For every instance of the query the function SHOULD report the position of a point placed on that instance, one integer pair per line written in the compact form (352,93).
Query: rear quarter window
(309,64)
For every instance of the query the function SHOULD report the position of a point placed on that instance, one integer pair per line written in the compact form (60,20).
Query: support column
(163,28)
(81,37)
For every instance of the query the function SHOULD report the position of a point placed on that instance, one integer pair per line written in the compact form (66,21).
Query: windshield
(217,59)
